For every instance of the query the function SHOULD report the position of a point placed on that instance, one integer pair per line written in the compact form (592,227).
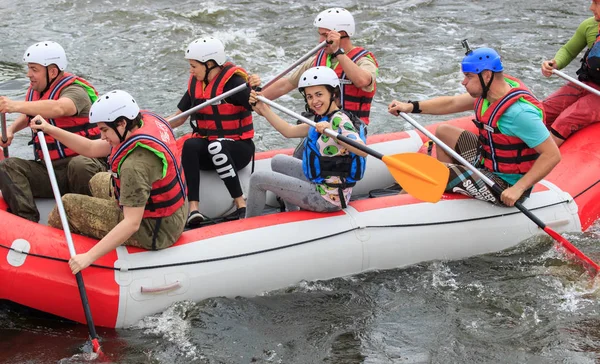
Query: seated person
(221,133)
(322,181)
(148,185)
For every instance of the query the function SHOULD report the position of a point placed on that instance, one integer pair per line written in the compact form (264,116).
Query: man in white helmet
(222,134)
(356,67)
(146,207)
(65,100)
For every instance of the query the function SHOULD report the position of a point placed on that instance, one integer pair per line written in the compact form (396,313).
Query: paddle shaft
(327,131)
(4,137)
(243,87)
(67,230)
(499,190)
(576,81)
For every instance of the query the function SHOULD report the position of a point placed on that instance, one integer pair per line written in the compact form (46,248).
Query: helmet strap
(113,126)
(484,87)
(208,69)
(48,81)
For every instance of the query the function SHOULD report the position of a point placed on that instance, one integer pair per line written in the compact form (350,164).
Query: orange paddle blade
(420,175)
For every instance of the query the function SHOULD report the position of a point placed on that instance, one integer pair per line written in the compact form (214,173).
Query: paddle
(556,236)
(65,225)
(420,175)
(576,81)
(4,138)
(243,87)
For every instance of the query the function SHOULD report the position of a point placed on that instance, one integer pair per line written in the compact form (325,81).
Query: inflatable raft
(252,256)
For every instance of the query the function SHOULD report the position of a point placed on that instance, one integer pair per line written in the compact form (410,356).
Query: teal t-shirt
(524,121)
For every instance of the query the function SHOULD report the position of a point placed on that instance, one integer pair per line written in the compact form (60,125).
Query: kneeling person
(146,175)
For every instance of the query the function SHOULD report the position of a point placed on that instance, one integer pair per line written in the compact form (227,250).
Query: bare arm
(132,217)
(90,148)
(548,159)
(437,106)
(47,108)
(178,122)
(279,88)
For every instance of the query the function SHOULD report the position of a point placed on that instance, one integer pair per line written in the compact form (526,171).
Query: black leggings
(226,156)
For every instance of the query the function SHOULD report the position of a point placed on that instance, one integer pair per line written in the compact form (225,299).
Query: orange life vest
(223,120)
(352,98)
(503,153)
(168,193)
(75,124)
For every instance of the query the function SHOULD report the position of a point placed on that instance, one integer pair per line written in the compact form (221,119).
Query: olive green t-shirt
(585,35)
(80,98)
(140,169)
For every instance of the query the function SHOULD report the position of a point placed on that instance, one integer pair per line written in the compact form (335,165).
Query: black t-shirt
(238,99)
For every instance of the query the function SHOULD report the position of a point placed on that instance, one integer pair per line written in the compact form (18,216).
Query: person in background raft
(323,180)
(222,133)
(356,67)
(65,100)
(149,210)
(513,148)
(572,107)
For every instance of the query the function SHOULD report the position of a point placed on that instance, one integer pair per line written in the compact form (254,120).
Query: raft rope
(285,246)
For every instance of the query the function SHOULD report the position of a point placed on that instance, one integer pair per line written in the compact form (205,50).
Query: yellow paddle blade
(420,175)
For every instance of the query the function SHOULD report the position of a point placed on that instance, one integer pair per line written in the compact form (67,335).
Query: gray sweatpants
(287,181)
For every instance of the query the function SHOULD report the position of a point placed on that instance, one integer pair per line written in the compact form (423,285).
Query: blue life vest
(590,63)
(350,168)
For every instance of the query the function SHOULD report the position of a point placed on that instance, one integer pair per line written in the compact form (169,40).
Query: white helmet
(205,49)
(318,76)
(338,19)
(46,53)
(113,105)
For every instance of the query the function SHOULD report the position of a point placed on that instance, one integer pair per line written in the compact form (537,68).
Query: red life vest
(352,98)
(75,124)
(503,153)
(222,120)
(168,193)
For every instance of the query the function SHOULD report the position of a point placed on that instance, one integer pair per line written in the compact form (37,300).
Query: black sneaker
(195,218)
(236,215)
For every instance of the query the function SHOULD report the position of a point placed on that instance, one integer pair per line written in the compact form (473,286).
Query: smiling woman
(323,180)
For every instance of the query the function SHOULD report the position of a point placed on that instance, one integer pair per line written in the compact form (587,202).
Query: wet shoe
(236,215)
(195,218)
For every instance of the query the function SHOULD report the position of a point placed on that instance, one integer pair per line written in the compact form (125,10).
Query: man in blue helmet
(513,147)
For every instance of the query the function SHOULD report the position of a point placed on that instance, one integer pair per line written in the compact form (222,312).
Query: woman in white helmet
(322,181)
(222,134)
(65,99)
(146,207)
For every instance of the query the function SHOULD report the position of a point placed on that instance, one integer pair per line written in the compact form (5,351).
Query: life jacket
(590,63)
(156,135)
(502,153)
(352,98)
(75,124)
(223,120)
(350,168)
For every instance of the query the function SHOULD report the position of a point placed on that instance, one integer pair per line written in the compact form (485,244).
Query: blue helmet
(482,59)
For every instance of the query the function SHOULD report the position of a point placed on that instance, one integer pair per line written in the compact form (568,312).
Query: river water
(526,305)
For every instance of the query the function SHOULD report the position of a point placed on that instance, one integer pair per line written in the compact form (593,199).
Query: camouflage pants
(23,180)
(95,216)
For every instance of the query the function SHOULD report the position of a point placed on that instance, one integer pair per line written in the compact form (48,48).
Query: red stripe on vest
(76,124)
(503,153)
(167,194)
(356,100)
(222,120)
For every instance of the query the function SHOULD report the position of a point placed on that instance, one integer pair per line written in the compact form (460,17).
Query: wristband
(416,109)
